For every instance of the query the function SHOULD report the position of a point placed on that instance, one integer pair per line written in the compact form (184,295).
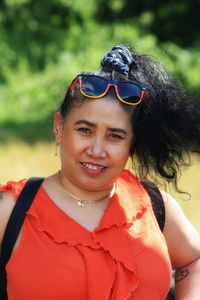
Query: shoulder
(182,239)
(7,202)
(8,195)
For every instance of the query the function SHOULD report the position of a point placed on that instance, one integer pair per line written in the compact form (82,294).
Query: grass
(20,160)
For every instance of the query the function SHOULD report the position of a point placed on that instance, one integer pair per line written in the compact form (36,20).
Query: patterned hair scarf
(119,59)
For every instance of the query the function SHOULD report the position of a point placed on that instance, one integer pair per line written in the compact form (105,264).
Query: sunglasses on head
(93,86)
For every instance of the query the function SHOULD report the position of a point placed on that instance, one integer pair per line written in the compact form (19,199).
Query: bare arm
(7,203)
(187,281)
(183,242)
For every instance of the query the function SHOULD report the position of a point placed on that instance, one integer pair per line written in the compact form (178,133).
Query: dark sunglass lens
(93,85)
(129,92)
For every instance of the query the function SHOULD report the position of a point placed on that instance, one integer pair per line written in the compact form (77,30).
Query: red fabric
(124,258)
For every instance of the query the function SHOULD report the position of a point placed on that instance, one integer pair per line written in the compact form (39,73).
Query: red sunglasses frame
(113,83)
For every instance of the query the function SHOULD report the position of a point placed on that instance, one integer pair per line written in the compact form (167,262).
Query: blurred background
(44,44)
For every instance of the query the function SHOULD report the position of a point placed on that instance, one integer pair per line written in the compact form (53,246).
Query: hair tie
(119,58)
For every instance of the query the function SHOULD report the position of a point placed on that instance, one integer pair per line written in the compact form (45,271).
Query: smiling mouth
(92,167)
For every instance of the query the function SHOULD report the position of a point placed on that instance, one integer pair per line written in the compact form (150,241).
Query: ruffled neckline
(119,213)
(119,216)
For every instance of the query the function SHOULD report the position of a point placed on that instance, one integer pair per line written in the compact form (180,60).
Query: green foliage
(44,44)
(171,20)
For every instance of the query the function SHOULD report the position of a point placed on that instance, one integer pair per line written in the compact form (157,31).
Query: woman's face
(95,141)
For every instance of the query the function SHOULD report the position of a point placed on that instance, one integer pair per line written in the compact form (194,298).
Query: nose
(97,148)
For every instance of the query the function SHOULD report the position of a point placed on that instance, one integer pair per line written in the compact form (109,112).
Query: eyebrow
(119,130)
(86,123)
(113,129)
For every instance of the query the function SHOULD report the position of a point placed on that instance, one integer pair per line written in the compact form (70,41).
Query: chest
(42,269)
(88,216)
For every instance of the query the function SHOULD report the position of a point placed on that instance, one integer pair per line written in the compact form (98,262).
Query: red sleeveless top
(124,258)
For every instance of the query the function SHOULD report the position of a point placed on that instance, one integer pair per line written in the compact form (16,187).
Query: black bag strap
(157,202)
(14,226)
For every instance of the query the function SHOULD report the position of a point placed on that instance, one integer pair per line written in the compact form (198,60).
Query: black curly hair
(166,124)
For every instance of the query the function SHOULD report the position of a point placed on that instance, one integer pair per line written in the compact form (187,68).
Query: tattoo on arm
(181,274)
(1,195)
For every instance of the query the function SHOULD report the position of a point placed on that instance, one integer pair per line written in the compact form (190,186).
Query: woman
(91,232)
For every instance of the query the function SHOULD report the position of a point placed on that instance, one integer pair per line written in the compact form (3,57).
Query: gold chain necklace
(80,202)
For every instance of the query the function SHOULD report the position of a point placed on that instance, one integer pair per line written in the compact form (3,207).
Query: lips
(92,168)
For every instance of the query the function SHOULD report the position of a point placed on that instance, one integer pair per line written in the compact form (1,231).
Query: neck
(84,195)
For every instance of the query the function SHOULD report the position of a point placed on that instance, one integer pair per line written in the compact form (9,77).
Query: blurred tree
(37,30)
(43,44)
(169,20)
(34,29)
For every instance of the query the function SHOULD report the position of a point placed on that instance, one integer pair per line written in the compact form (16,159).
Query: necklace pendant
(80,203)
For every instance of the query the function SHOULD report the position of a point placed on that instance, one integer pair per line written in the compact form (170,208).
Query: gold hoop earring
(56,153)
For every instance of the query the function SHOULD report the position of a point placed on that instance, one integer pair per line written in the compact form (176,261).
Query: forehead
(104,110)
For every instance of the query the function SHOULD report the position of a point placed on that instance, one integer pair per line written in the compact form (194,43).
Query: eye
(84,130)
(114,136)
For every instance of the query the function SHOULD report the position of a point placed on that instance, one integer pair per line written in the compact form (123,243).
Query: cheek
(73,144)
(121,154)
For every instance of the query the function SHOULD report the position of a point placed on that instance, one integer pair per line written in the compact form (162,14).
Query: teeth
(92,167)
